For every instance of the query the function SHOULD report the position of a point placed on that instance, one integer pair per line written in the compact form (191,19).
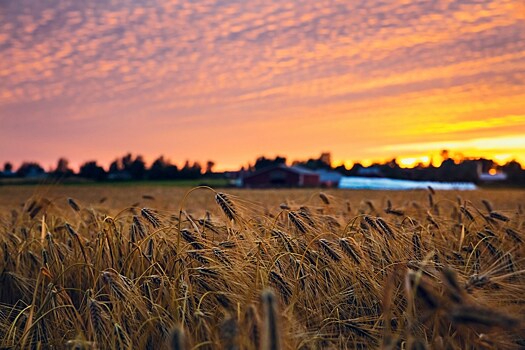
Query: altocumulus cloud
(171,65)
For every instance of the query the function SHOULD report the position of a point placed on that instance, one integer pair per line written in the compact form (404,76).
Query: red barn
(281,176)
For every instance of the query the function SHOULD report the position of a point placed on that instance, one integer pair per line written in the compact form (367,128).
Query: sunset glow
(229,81)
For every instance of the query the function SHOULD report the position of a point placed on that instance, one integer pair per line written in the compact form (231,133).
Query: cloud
(396,65)
(501,148)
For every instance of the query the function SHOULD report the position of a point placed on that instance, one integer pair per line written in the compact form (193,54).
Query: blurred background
(221,83)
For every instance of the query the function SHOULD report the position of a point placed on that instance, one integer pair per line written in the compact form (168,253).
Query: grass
(155,267)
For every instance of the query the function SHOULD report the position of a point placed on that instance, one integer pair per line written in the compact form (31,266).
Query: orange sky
(231,80)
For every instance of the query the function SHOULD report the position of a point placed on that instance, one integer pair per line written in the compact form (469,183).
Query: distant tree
(356,168)
(196,169)
(30,169)
(467,170)
(115,166)
(171,172)
(342,170)
(126,161)
(445,171)
(323,162)
(326,159)
(91,170)
(185,170)
(393,170)
(263,162)
(190,171)
(158,169)
(310,164)
(136,168)
(445,154)
(162,169)
(512,166)
(127,167)
(393,163)
(62,169)
(515,173)
(209,166)
(8,167)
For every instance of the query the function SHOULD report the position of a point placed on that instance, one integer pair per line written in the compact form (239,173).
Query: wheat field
(121,267)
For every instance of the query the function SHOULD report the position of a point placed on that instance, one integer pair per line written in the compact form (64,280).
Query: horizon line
(405,162)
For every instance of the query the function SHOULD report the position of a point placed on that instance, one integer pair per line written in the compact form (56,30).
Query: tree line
(130,167)
(127,167)
(452,169)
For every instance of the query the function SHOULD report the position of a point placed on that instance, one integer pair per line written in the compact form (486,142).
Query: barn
(329,178)
(281,176)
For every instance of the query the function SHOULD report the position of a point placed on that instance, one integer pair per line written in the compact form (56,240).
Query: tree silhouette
(128,167)
(453,168)
(157,169)
(209,167)
(263,162)
(323,162)
(115,166)
(514,172)
(62,169)
(8,167)
(189,171)
(91,170)
(30,169)
(137,168)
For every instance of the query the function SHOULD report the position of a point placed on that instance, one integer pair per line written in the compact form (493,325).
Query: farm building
(281,176)
(329,178)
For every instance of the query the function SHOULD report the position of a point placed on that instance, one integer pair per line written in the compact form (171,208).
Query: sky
(231,80)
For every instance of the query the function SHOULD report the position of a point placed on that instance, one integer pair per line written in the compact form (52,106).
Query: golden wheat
(212,270)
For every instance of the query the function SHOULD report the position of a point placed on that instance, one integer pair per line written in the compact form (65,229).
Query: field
(149,267)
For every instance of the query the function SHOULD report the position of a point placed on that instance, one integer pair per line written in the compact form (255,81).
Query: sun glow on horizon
(229,81)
